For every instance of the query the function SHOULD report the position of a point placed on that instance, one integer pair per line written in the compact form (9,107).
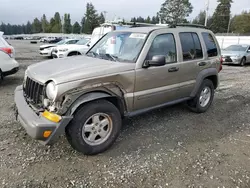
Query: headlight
(63,50)
(51,90)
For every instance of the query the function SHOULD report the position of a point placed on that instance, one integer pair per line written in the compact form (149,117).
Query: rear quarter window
(212,49)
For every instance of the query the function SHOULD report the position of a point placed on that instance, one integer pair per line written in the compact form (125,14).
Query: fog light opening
(46,134)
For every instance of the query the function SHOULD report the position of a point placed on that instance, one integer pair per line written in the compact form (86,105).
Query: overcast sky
(20,11)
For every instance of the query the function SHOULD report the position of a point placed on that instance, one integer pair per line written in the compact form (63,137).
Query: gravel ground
(171,147)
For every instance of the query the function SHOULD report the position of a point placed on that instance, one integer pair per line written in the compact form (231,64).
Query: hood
(47,45)
(231,53)
(72,46)
(75,68)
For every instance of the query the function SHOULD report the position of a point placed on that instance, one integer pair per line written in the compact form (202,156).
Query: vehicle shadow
(164,129)
(11,81)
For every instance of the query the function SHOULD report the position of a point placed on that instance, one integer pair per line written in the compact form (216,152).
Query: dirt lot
(170,147)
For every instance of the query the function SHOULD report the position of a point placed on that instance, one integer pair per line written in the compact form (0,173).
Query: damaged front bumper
(35,124)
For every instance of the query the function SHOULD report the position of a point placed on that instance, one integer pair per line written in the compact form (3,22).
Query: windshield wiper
(114,58)
(93,54)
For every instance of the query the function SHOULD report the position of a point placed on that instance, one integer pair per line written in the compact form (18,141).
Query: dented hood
(75,68)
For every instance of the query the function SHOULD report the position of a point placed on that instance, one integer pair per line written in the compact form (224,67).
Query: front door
(158,85)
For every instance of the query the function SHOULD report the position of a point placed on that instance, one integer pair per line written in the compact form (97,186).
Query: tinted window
(163,45)
(72,42)
(197,46)
(191,46)
(210,44)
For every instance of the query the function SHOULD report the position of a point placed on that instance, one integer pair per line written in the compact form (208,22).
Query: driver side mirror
(157,61)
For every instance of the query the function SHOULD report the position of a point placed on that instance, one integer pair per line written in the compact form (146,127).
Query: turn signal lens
(52,117)
(46,134)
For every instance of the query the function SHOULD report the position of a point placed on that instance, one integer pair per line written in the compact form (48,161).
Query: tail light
(221,62)
(8,51)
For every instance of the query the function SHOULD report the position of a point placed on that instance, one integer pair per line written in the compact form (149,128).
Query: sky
(20,11)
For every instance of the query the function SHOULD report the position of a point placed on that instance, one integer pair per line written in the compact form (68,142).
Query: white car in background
(8,64)
(46,50)
(80,48)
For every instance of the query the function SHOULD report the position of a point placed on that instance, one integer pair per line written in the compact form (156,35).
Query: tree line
(171,12)
(58,24)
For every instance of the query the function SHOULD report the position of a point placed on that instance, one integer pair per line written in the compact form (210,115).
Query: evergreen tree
(175,11)
(241,23)
(221,16)
(140,19)
(36,26)
(76,28)
(101,18)
(67,28)
(28,28)
(45,24)
(200,19)
(91,19)
(133,19)
(148,20)
(82,24)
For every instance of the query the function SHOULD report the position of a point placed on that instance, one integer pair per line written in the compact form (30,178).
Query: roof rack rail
(188,25)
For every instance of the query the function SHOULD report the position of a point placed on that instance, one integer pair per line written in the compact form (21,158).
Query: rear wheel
(94,128)
(203,99)
(243,61)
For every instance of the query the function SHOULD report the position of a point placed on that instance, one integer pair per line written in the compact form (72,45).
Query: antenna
(207,9)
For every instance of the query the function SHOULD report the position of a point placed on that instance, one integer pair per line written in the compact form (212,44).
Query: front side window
(210,44)
(119,46)
(191,46)
(163,44)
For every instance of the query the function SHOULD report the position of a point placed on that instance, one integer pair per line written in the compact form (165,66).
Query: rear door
(192,62)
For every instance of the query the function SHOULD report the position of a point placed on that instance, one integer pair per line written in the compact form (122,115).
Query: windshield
(82,42)
(119,46)
(236,48)
(61,42)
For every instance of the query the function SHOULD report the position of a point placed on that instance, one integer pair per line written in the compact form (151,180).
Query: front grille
(41,49)
(33,91)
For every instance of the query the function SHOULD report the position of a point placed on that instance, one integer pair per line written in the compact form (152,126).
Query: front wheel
(203,99)
(94,128)
(243,61)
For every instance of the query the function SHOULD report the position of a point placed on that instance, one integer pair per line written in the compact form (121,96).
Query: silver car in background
(236,54)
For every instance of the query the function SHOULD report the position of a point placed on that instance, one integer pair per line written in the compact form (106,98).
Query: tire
(73,53)
(1,75)
(243,62)
(196,104)
(84,117)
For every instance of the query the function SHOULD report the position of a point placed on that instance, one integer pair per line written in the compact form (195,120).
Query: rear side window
(191,46)
(210,44)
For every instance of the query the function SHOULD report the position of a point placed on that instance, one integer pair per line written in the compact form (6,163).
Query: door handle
(173,69)
(202,63)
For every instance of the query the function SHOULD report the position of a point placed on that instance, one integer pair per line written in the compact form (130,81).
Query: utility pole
(105,12)
(207,9)
(229,24)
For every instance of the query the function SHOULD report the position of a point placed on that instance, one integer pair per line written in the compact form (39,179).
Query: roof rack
(188,25)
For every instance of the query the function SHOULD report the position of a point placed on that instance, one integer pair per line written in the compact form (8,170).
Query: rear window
(210,44)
